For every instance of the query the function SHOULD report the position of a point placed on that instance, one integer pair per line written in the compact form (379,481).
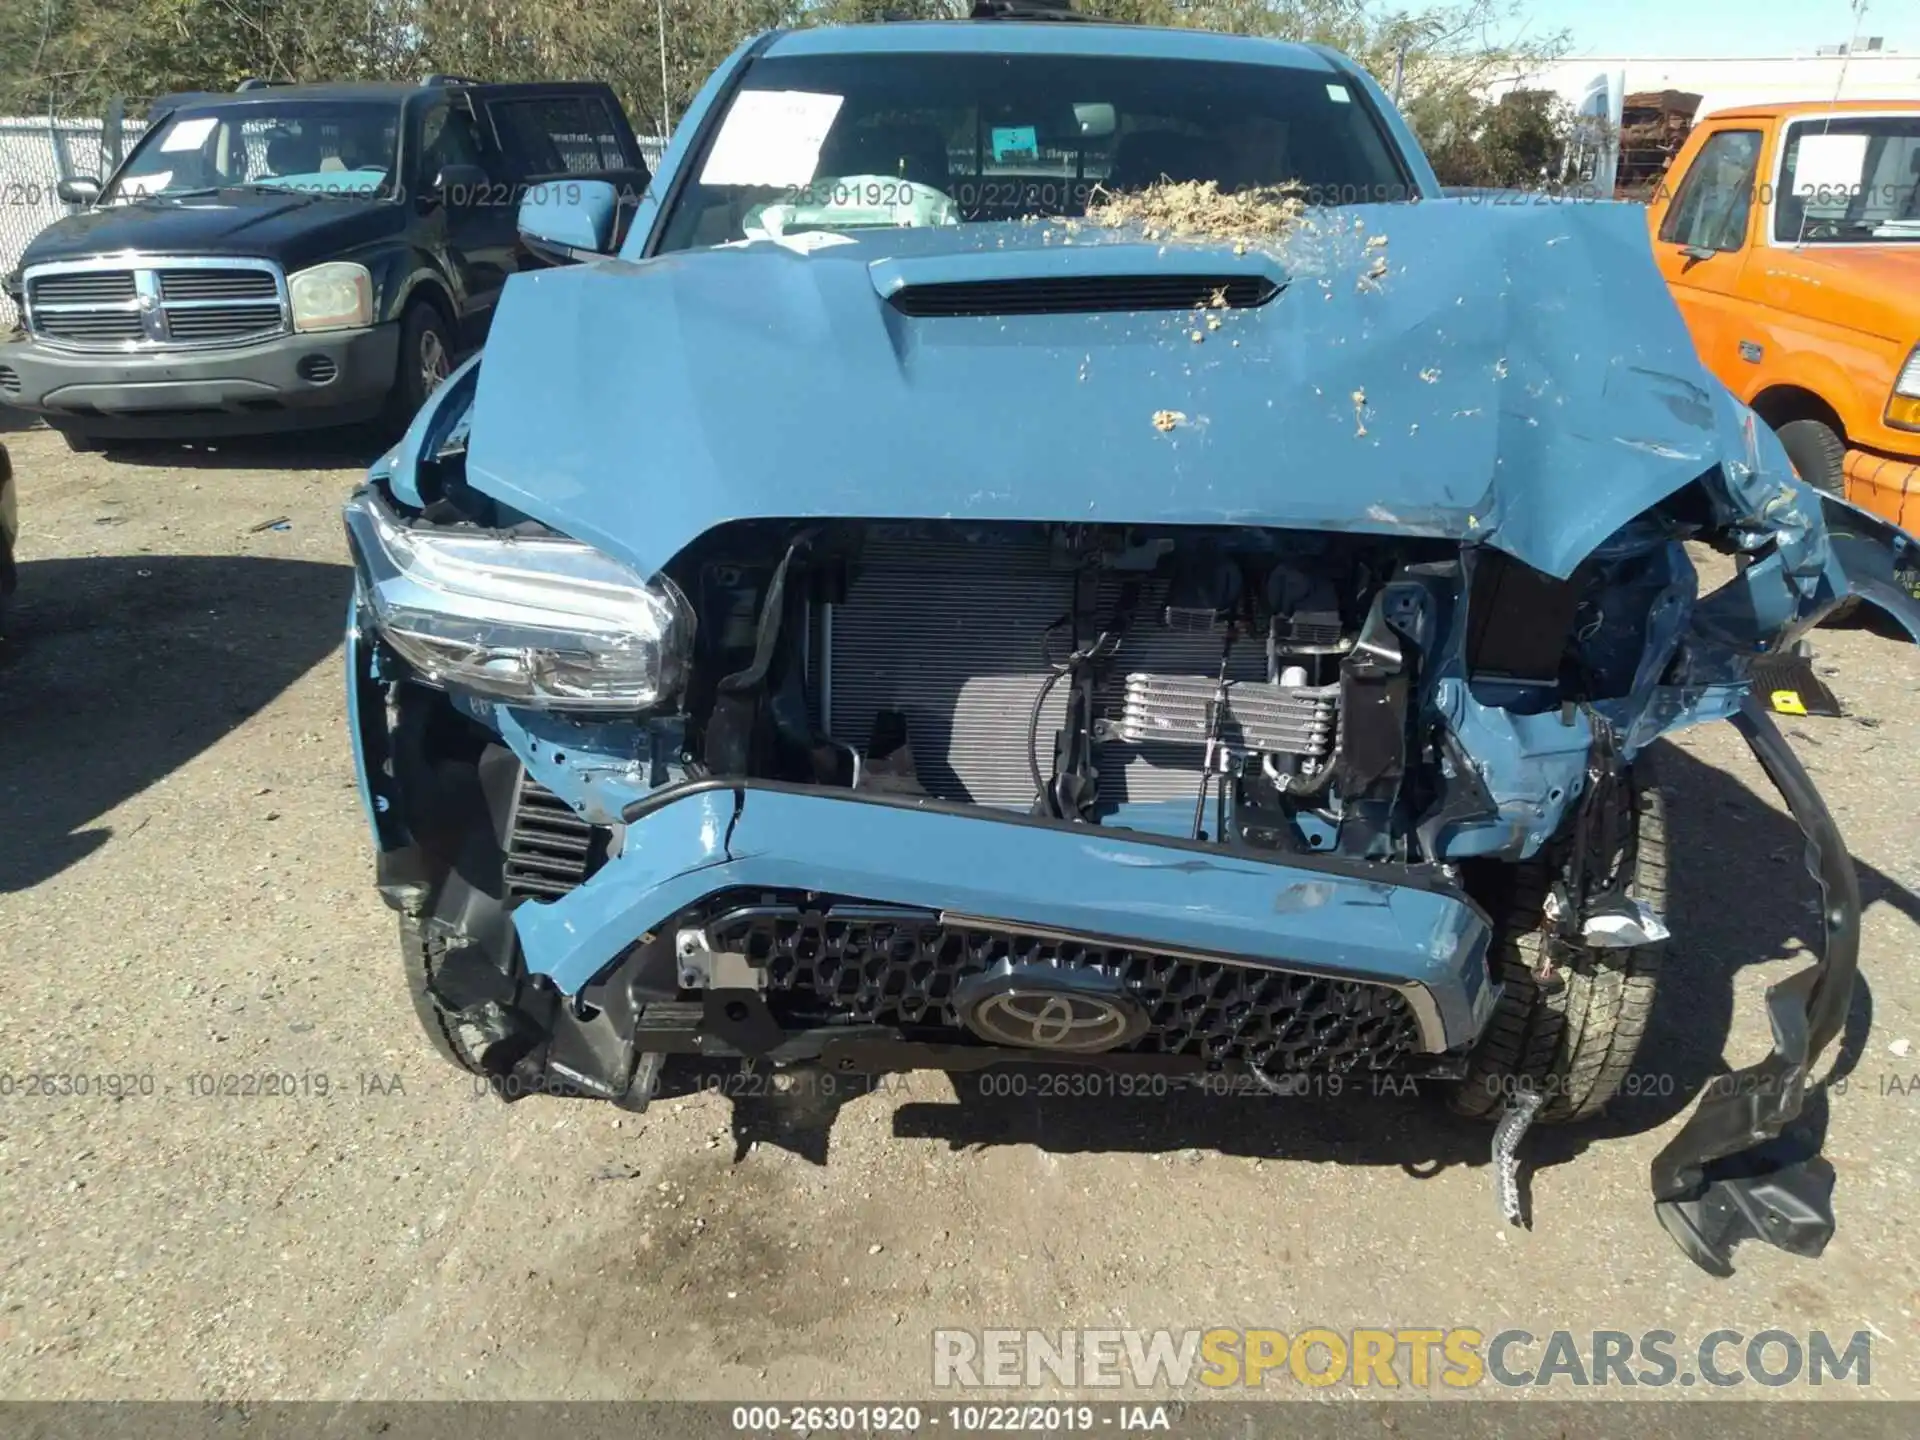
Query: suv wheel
(426,358)
(1572,1039)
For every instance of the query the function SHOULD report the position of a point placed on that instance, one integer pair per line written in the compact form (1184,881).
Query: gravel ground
(185,893)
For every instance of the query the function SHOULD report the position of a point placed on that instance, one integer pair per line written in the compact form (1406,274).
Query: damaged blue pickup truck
(1051,542)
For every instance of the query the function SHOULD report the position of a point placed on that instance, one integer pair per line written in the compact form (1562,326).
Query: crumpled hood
(1516,374)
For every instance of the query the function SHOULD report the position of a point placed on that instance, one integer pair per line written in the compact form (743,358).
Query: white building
(1869,73)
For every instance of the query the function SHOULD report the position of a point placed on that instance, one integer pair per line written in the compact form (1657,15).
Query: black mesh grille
(1084,293)
(901,968)
(548,846)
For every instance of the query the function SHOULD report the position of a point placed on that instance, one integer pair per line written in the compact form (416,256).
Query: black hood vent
(1083,294)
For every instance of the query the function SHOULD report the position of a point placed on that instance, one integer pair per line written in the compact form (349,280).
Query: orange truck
(1790,237)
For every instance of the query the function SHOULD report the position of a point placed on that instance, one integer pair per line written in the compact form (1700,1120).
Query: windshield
(853,141)
(326,147)
(1851,180)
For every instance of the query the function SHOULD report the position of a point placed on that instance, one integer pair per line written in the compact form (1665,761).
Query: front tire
(419,957)
(1818,452)
(1573,1040)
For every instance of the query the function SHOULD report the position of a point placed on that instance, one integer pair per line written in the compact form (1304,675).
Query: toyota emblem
(1052,1020)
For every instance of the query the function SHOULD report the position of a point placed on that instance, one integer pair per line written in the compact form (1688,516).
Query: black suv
(293,255)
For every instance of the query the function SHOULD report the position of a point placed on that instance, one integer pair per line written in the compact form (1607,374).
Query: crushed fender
(1736,1171)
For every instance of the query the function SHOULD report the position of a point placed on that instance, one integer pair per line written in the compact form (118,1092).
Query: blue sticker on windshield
(1015,142)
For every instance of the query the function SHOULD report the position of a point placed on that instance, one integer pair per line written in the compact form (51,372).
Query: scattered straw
(1199,210)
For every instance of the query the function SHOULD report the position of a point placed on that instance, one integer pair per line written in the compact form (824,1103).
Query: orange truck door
(1701,245)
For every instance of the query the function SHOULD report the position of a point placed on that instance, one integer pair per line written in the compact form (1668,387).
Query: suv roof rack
(256,83)
(436,78)
(1025,10)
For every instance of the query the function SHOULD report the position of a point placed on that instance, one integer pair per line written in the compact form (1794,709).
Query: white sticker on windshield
(135,185)
(772,137)
(1829,167)
(189,134)
(1338,94)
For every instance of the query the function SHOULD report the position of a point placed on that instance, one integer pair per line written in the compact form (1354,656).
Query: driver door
(1703,243)
(477,234)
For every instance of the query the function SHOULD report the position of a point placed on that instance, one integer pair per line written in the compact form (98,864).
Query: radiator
(951,635)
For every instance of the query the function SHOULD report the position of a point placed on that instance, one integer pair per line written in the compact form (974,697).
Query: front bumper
(287,383)
(1888,485)
(1407,929)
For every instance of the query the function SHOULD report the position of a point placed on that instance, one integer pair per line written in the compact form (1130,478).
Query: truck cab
(289,256)
(1790,238)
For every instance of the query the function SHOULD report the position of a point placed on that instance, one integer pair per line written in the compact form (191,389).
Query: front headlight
(1903,407)
(544,622)
(334,296)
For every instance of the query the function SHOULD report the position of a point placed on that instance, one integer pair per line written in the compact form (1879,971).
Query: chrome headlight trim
(540,621)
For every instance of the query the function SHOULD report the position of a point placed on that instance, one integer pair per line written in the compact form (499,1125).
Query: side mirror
(81,190)
(569,219)
(458,186)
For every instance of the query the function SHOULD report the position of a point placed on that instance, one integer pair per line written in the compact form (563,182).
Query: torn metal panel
(446,408)
(1532,766)
(1726,1177)
(599,767)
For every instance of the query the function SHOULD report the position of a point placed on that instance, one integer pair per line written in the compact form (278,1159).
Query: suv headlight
(544,622)
(1903,406)
(334,296)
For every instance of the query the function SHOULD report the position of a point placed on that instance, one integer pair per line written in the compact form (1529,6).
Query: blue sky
(1720,27)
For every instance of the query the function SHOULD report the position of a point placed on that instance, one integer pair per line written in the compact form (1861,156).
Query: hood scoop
(1083,294)
(1086,278)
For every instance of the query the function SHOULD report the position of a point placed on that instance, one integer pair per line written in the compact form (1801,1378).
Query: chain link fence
(35,155)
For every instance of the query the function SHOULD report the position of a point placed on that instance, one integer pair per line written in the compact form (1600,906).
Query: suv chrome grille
(156,304)
(91,327)
(217,285)
(96,287)
(226,322)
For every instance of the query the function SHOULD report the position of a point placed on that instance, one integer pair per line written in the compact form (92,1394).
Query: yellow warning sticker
(1788,702)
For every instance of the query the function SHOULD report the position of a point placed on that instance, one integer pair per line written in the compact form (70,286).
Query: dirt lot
(185,894)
